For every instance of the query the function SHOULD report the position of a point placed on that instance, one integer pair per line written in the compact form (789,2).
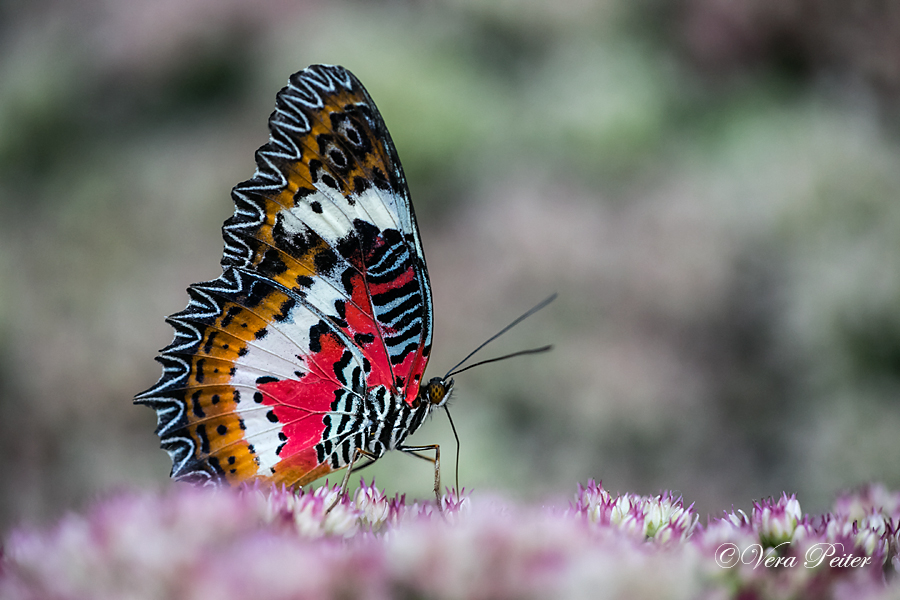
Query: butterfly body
(311,346)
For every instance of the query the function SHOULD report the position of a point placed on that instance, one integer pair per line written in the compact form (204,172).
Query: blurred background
(710,186)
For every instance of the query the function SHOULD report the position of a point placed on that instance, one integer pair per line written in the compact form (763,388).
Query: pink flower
(661,518)
(777,521)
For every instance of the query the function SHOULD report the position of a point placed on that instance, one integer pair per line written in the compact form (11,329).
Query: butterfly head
(436,392)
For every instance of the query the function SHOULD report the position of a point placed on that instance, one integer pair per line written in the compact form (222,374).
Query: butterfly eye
(438,390)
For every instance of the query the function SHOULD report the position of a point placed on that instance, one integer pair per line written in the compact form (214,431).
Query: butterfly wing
(324,295)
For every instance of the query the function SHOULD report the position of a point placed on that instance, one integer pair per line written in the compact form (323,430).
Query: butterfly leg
(357,469)
(414,450)
(344,483)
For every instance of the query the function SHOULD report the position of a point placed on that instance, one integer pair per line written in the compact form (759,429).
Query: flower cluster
(277,543)
(660,518)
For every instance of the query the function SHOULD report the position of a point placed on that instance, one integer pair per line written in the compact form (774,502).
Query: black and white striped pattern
(398,310)
(378,424)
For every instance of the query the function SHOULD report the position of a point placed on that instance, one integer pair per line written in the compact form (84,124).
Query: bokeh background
(710,186)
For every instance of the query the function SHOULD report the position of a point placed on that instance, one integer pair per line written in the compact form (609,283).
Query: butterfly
(308,352)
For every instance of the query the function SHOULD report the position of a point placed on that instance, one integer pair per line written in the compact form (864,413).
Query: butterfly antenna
(456,437)
(504,357)
(530,312)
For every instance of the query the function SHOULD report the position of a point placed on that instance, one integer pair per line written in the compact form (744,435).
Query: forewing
(328,215)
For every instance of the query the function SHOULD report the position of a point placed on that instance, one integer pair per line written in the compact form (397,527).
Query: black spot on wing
(363,339)
(360,185)
(204,439)
(365,238)
(256,293)
(380,180)
(331,151)
(314,166)
(230,314)
(330,181)
(210,342)
(316,332)
(288,239)
(215,464)
(348,127)
(196,408)
(347,281)
(271,264)
(286,307)
(325,261)
(302,193)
